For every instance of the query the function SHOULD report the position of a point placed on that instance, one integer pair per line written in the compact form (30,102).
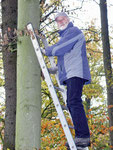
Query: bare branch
(94,51)
(96,2)
(45,17)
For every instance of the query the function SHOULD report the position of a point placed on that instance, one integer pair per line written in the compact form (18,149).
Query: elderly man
(73,72)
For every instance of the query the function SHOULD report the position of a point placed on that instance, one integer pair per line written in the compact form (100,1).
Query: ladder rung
(58,88)
(71,127)
(64,107)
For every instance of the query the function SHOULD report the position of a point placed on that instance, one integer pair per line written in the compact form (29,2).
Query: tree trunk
(9,19)
(88,103)
(107,63)
(28,117)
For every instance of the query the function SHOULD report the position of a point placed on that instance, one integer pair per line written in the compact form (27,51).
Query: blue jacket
(71,53)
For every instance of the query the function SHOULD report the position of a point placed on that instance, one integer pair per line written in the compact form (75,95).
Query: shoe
(81,143)
(78,148)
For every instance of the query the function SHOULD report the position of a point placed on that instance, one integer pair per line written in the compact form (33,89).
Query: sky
(90,11)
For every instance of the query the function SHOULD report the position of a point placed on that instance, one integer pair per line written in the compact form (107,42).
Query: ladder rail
(52,89)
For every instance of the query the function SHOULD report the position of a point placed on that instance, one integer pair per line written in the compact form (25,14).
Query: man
(73,72)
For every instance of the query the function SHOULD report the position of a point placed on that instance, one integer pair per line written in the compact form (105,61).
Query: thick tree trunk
(107,63)
(9,19)
(28,117)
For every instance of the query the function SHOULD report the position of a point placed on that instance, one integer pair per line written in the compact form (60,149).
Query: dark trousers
(75,106)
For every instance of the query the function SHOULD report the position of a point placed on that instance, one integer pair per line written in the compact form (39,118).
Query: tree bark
(107,62)
(9,19)
(28,117)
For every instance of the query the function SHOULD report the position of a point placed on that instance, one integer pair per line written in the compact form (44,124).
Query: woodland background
(28,119)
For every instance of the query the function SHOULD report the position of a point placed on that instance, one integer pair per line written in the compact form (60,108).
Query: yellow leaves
(102,126)
(52,135)
(1,82)
(93,90)
(111,128)
(62,135)
(47,148)
(89,116)
(93,127)
(89,110)
(55,1)
(108,118)
(69,121)
(98,125)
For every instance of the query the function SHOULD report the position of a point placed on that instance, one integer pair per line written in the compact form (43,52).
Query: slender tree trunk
(88,103)
(107,63)
(9,19)
(28,118)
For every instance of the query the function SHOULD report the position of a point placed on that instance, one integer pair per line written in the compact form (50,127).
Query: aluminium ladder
(52,88)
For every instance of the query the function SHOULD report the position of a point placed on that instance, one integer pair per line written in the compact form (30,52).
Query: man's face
(62,22)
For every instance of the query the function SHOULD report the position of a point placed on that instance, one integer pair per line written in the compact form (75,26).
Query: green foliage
(98,124)
(52,135)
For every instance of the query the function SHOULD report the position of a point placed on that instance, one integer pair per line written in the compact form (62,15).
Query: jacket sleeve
(65,44)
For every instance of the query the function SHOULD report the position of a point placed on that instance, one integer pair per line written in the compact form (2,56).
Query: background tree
(107,63)
(9,20)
